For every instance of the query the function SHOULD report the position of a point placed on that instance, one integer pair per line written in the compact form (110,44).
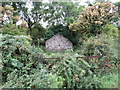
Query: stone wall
(58,43)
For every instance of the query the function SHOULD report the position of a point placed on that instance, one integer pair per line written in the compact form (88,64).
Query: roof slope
(58,43)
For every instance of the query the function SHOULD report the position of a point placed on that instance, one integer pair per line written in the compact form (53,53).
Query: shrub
(10,44)
(14,51)
(23,66)
(101,45)
(96,46)
(12,29)
(37,34)
(33,78)
(111,30)
(108,80)
(92,18)
(77,73)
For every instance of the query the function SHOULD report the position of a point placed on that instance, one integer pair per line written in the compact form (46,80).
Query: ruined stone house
(58,43)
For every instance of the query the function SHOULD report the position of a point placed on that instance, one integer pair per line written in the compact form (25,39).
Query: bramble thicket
(93,30)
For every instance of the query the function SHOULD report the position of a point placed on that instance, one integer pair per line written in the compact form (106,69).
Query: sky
(82,1)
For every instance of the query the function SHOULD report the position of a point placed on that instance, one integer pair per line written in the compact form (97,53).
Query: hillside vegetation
(26,63)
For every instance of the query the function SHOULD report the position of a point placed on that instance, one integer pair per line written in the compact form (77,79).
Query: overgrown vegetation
(23,55)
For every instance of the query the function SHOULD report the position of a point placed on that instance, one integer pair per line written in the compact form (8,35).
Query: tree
(33,16)
(61,12)
(9,11)
(93,18)
(118,19)
(118,6)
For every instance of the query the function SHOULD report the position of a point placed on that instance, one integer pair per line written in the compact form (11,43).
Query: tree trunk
(15,8)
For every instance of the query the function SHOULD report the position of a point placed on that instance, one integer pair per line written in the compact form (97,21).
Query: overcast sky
(82,1)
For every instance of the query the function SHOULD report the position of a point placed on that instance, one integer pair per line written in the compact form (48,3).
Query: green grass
(109,80)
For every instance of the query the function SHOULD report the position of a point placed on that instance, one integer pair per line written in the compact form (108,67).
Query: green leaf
(84,62)
(16,63)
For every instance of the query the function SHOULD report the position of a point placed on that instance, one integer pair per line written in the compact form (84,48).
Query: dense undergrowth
(24,66)
(23,62)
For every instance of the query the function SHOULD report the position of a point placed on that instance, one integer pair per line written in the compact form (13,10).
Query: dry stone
(58,43)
